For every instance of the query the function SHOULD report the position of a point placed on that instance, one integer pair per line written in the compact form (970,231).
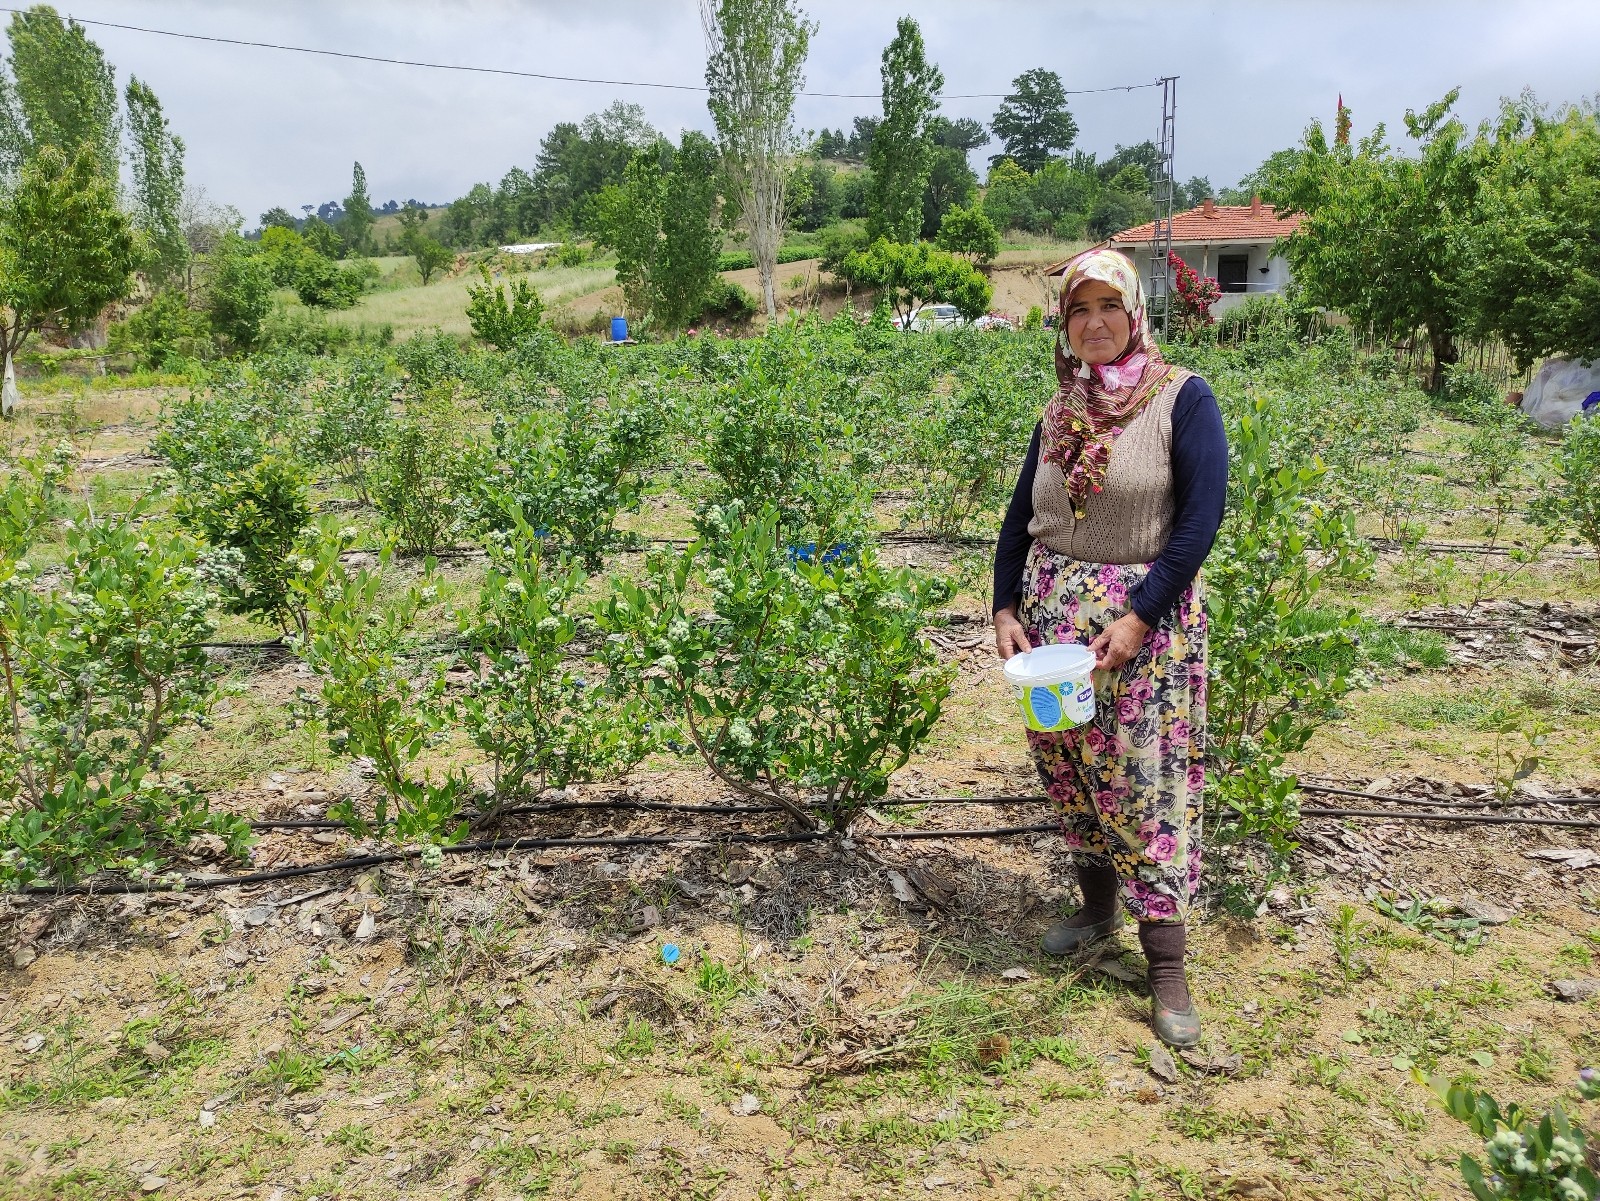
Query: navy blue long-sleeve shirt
(1199,486)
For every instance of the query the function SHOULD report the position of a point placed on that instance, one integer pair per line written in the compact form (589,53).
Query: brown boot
(1100,916)
(1173,1015)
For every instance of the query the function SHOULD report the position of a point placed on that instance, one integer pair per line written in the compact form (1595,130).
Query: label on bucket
(1053,707)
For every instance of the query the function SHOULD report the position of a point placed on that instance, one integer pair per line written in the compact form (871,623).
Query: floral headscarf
(1093,404)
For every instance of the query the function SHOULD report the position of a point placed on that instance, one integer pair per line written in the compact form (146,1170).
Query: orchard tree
(358,218)
(755,61)
(901,155)
(157,193)
(1530,267)
(1383,236)
(66,249)
(908,275)
(1033,123)
(967,232)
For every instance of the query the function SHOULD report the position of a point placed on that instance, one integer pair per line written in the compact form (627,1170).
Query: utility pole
(1162,190)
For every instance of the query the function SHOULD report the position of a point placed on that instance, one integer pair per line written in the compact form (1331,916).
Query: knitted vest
(1130,519)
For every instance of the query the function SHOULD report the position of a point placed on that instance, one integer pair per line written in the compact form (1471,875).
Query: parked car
(994,321)
(930,317)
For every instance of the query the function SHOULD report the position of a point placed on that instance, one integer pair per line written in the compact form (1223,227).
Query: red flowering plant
(1193,296)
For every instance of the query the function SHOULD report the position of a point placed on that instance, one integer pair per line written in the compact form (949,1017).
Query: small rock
(902,889)
(745,1106)
(1162,1065)
(1568,857)
(769,876)
(207,1119)
(504,1001)
(1016,973)
(307,1121)
(155,1053)
(1487,912)
(1575,990)
(740,870)
(257,915)
(151,1183)
(1215,1064)
(23,956)
(30,1043)
(648,918)
(366,928)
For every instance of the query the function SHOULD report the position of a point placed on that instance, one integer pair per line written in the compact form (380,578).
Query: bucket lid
(1050,664)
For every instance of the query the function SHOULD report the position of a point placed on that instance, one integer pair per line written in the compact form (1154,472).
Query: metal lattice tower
(1162,191)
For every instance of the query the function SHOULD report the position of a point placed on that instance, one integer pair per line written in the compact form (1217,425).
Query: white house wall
(1203,256)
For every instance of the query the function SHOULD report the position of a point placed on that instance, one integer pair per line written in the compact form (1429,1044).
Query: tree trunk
(1445,355)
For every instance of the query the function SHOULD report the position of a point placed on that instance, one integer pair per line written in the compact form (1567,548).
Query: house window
(1232,271)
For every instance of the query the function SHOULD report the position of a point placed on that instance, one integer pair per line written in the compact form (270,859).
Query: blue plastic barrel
(619,329)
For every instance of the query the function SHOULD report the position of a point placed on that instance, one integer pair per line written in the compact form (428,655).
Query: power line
(614,83)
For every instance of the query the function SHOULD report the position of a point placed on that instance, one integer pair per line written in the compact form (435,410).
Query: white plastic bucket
(1052,686)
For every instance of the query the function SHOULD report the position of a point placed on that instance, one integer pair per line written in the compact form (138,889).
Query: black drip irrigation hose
(1481,803)
(352,862)
(1488,819)
(738,837)
(320,823)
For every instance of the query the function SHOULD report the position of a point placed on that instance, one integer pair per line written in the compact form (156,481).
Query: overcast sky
(267,127)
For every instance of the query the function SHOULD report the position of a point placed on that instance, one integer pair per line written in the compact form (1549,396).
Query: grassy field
(856,1019)
(404,304)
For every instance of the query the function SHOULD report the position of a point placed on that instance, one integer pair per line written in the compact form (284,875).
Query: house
(1232,242)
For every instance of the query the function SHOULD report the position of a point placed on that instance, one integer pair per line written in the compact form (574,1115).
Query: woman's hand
(1118,642)
(1009,637)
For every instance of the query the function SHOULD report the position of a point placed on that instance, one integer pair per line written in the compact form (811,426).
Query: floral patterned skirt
(1129,783)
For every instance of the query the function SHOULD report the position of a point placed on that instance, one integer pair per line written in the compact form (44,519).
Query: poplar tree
(358,218)
(156,154)
(900,157)
(63,88)
(755,60)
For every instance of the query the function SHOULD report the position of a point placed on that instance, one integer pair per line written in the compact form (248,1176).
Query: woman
(1117,507)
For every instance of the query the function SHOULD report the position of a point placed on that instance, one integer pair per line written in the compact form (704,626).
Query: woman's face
(1098,327)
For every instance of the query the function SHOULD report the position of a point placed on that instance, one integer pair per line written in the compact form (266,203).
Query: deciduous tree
(1530,267)
(967,232)
(1382,235)
(689,241)
(755,61)
(909,275)
(900,157)
(66,249)
(1034,122)
(156,154)
(64,90)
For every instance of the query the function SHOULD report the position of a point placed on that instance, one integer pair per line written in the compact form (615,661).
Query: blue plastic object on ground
(670,953)
(619,329)
(807,552)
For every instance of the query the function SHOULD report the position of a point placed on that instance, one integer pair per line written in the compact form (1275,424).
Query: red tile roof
(1218,223)
(1210,223)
